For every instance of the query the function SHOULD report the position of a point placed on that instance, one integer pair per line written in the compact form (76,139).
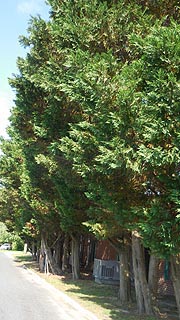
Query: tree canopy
(96,120)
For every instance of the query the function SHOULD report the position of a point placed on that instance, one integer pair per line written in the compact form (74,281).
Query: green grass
(98,298)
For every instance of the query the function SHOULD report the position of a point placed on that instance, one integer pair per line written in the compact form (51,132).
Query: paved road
(25,296)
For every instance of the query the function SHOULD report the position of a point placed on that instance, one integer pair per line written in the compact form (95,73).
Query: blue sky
(14,17)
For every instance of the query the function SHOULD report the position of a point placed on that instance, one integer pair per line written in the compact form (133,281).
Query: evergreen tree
(96,119)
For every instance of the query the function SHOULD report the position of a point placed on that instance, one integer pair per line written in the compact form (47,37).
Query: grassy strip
(98,298)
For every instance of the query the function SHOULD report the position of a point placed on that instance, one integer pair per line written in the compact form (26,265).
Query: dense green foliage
(95,127)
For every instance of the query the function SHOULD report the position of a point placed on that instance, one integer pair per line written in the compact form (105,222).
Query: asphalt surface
(25,296)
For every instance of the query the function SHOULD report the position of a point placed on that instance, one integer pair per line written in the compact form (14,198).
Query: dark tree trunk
(175,271)
(143,295)
(125,286)
(42,257)
(65,257)
(58,252)
(75,258)
(90,254)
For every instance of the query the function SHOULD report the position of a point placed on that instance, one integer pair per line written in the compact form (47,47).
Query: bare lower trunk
(42,257)
(52,265)
(123,246)
(143,296)
(125,287)
(90,255)
(75,258)
(34,251)
(153,274)
(58,252)
(25,248)
(65,257)
(175,271)
(48,263)
(153,279)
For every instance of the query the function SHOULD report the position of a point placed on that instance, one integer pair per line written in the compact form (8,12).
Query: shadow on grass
(105,296)
(91,293)
(23,258)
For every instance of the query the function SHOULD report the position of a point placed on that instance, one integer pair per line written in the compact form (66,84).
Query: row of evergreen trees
(94,133)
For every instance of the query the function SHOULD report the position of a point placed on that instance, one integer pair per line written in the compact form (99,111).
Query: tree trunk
(175,271)
(25,248)
(75,258)
(49,261)
(153,275)
(65,257)
(143,296)
(90,254)
(34,251)
(123,249)
(58,252)
(54,267)
(125,286)
(42,256)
